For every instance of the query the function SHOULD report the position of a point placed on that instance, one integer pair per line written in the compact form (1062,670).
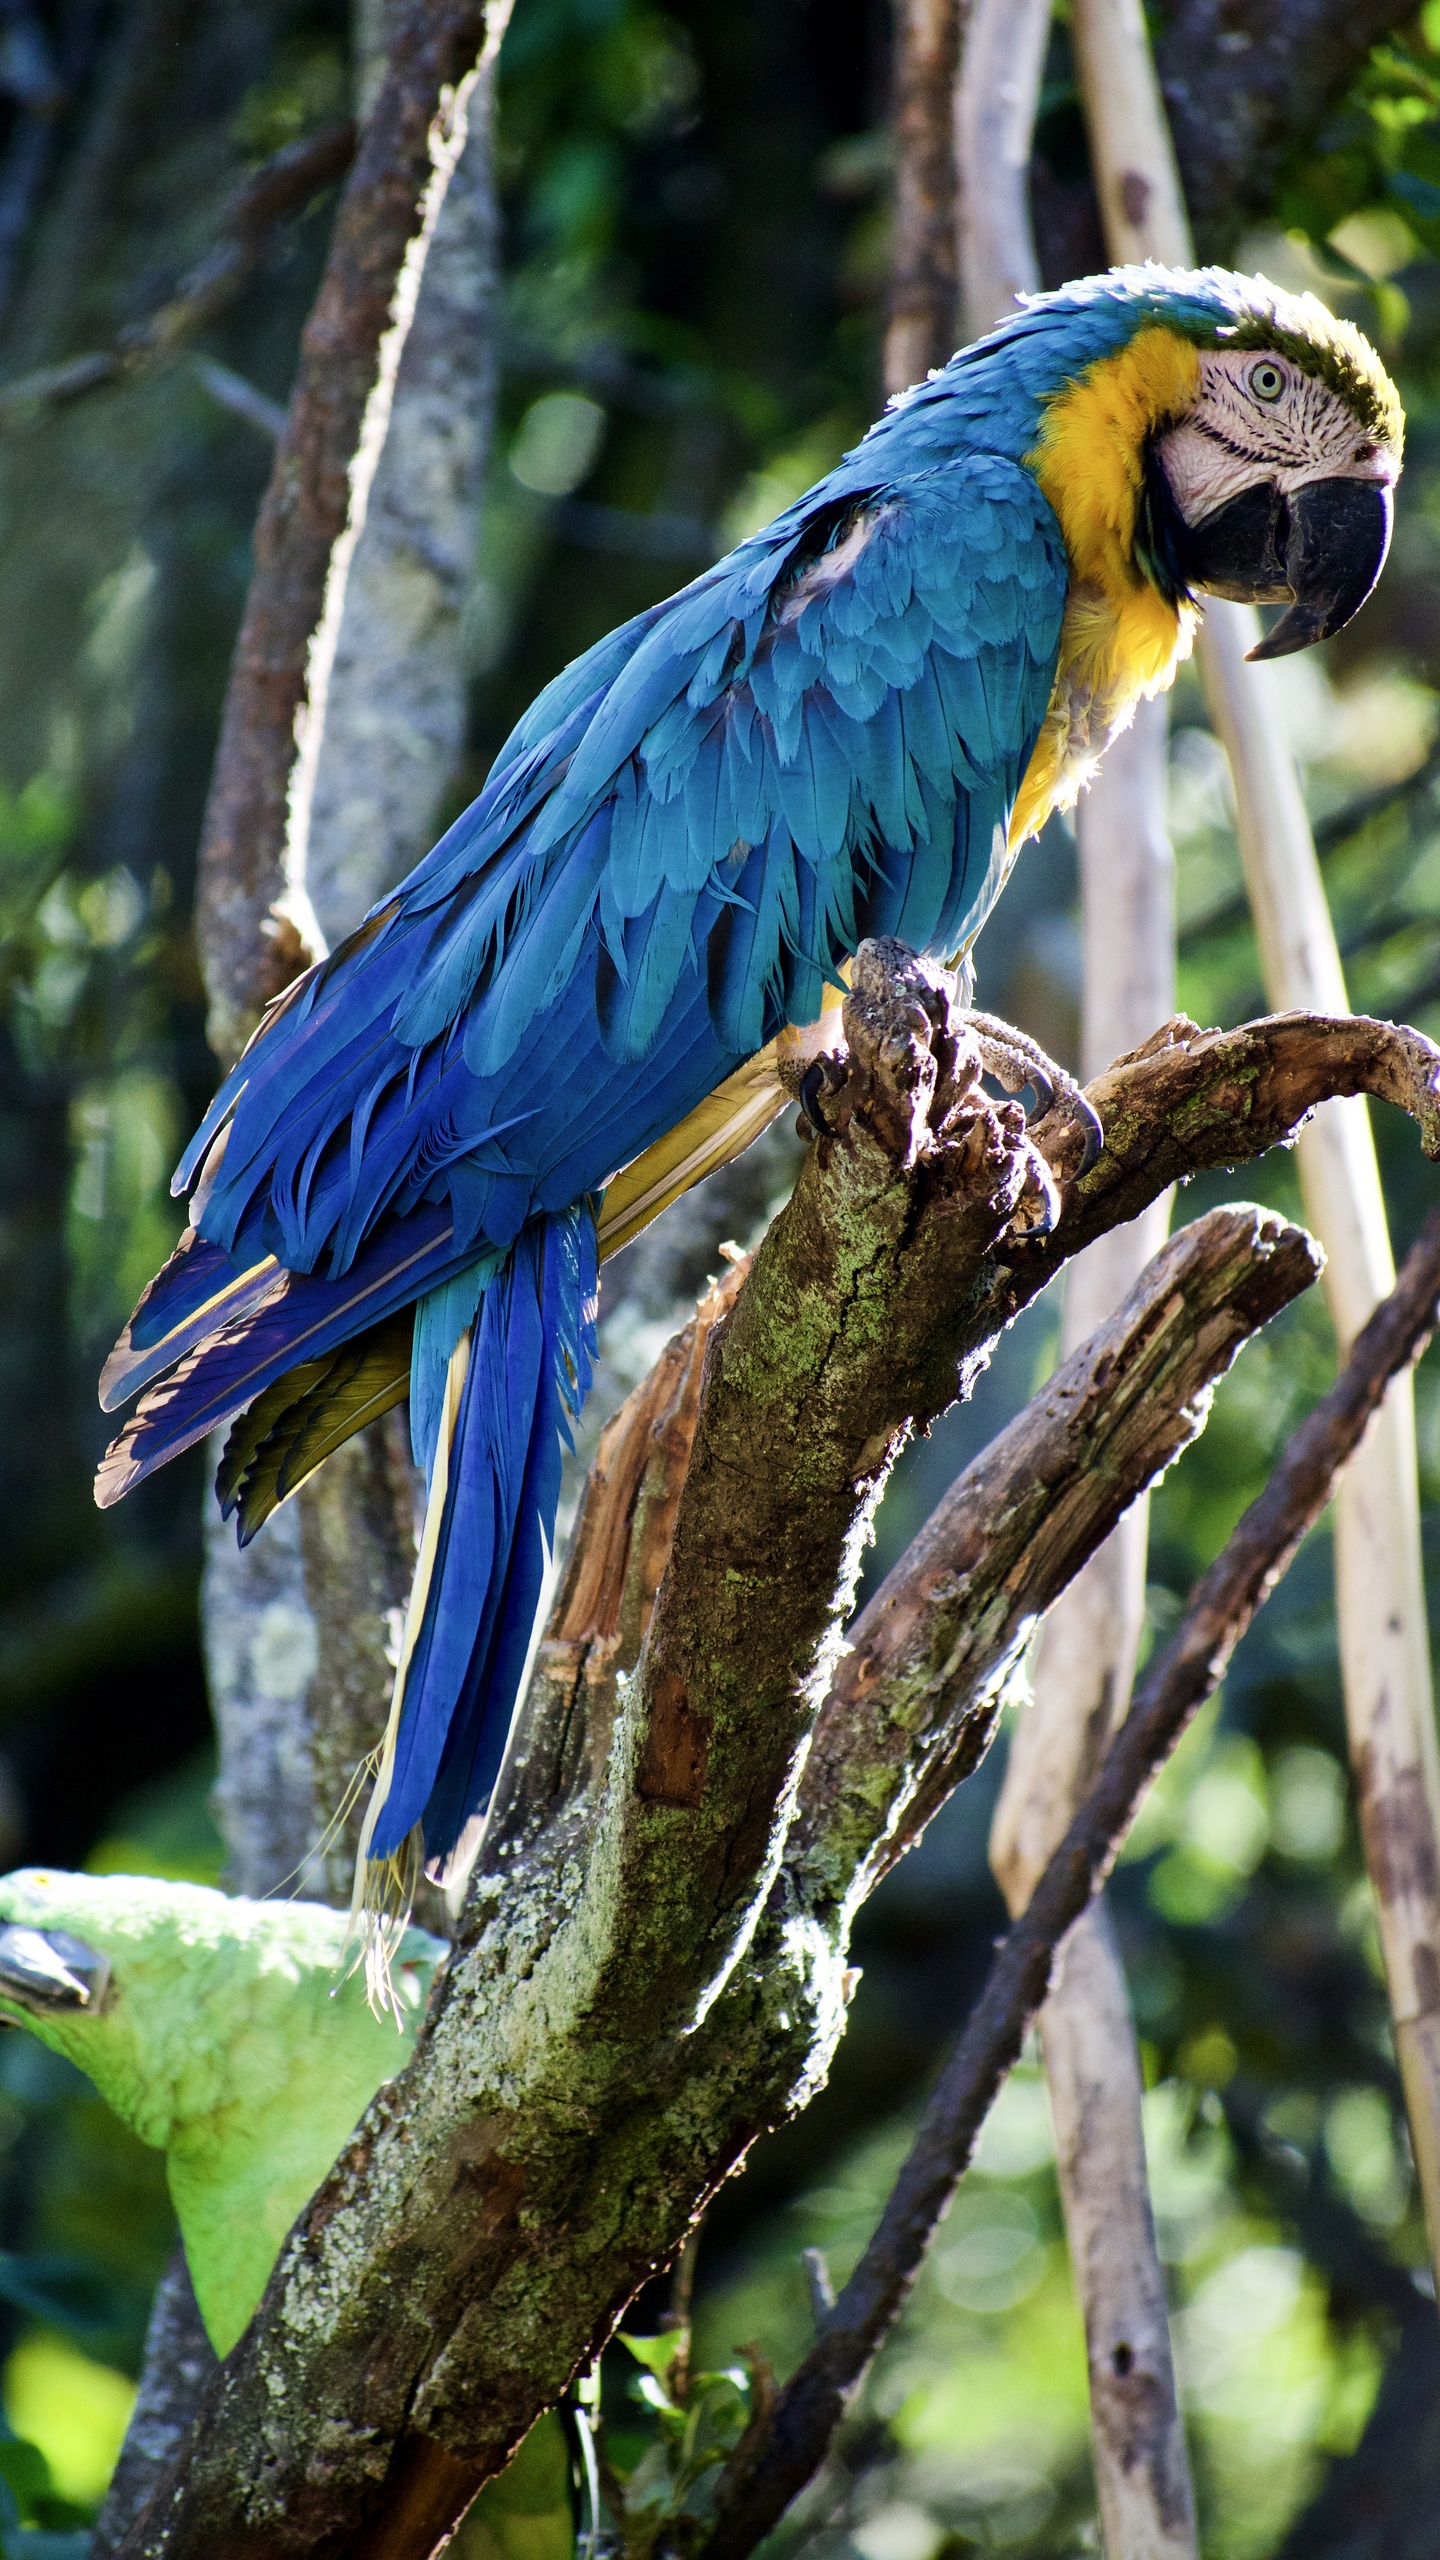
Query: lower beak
(48,1969)
(1319,552)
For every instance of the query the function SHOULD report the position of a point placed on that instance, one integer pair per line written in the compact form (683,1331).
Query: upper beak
(1318,551)
(48,1969)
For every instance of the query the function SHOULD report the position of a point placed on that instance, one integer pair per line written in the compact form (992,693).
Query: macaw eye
(1266,381)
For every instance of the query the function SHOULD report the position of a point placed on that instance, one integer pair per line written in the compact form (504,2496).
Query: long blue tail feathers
(513,1381)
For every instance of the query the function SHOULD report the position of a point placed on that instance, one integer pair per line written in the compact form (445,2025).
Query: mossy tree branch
(651,1967)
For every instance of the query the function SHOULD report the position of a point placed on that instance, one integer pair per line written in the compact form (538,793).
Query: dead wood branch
(1224,1601)
(433,49)
(639,1983)
(927,1663)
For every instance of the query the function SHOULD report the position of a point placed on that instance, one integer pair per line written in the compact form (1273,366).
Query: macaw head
(1274,484)
(226,2033)
(1197,433)
(1225,438)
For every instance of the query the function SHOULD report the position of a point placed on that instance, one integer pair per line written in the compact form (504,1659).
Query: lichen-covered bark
(179,2362)
(643,1978)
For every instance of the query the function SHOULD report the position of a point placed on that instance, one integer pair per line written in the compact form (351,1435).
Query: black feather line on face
(1160,529)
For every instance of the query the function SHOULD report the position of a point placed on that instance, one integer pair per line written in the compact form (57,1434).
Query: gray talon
(1016,1060)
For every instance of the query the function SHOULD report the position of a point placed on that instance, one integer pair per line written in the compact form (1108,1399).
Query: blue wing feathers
(677,847)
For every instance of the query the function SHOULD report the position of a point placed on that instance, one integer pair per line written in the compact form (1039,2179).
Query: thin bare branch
(920,329)
(995,100)
(283,187)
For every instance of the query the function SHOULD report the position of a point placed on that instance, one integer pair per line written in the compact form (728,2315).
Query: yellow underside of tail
(714,1133)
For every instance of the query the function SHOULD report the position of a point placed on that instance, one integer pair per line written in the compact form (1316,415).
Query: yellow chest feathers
(1119,640)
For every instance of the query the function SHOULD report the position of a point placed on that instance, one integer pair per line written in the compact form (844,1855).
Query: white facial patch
(1259,417)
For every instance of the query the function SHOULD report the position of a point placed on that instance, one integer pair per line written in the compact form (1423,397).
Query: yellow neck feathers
(1120,639)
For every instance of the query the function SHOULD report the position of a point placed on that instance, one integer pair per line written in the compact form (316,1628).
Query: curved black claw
(1090,1121)
(1014,1059)
(814,1084)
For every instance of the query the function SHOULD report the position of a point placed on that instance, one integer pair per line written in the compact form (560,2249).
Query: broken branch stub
(619,1548)
(920,1684)
(640,1985)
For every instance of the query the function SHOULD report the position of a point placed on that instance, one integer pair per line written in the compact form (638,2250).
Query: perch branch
(809,2408)
(637,1989)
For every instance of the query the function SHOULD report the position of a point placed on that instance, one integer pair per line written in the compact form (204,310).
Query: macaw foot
(1015,1060)
(886,973)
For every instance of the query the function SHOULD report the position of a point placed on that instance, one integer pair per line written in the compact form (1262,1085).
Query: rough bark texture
(261,1651)
(787,2449)
(920,329)
(394,723)
(637,1987)
(927,1663)
(434,45)
(619,1548)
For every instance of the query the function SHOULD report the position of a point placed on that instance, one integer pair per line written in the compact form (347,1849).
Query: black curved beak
(1339,536)
(48,1969)
(1319,552)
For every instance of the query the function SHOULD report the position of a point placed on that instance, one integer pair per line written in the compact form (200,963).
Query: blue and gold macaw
(582,999)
